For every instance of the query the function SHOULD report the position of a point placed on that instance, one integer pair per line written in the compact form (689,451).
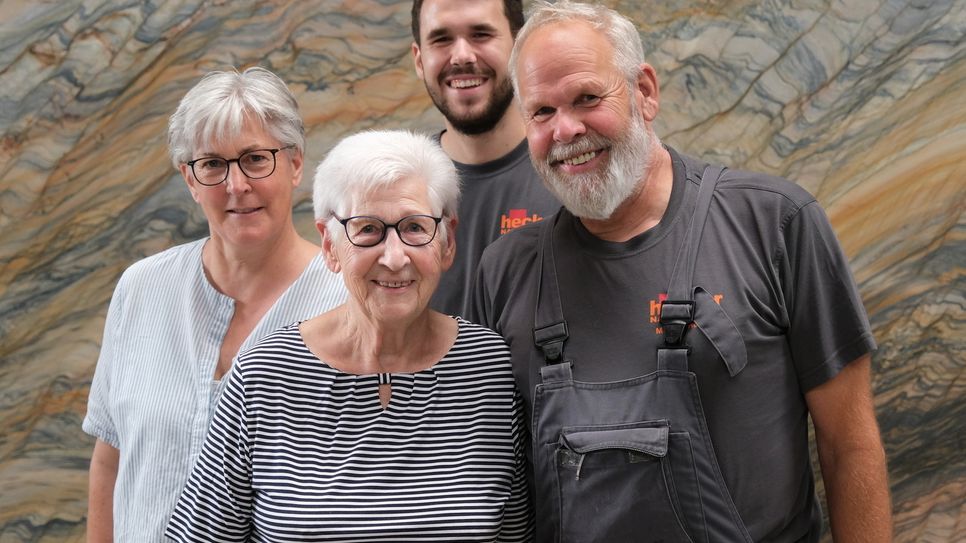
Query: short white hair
(369,160)
(619,31)
(215,110)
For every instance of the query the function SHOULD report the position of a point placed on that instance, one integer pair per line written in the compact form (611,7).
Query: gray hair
(619,31)
(373,159)
(215,110)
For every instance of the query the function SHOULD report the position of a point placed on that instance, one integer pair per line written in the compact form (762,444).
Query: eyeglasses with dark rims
(414,230)
(255,164)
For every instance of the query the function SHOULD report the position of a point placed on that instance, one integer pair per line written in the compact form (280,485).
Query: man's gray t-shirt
(770,258)
(497,197)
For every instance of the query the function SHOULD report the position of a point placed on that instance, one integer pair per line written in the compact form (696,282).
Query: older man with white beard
(674,327)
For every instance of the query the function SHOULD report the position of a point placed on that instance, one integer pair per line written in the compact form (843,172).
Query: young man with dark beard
(461,51)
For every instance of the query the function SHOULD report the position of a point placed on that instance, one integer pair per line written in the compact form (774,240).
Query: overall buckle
(676,316)
(551,340)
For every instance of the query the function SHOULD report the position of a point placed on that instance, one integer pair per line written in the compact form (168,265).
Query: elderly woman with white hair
(178,318)
(380,420)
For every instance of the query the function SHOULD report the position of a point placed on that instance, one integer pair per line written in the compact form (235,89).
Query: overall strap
(549,326)
(686,304)
(677,311)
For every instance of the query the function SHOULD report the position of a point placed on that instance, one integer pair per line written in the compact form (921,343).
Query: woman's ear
(189,179)
(297,163)
(449,251)
(328,250)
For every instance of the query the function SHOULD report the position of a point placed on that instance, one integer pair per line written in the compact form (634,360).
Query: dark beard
(486,121)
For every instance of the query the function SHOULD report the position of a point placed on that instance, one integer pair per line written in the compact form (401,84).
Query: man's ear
(648,92)
(449,251)
(417,60)
(189,179)
(328,251)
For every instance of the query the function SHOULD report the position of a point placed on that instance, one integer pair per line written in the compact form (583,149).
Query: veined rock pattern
(862,102)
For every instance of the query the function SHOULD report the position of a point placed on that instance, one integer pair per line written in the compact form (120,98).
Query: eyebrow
(438,32)
(246,149)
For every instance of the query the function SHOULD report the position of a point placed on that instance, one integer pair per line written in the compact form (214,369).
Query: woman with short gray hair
(178,318)
(380,420)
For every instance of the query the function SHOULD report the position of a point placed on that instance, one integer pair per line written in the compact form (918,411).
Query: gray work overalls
(632,460)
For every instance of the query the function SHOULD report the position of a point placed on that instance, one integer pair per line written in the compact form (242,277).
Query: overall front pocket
(617,483)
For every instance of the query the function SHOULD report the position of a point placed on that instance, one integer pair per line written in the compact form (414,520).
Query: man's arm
(851,455)
(100,505)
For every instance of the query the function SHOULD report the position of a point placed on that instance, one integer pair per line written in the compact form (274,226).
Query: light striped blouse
(153,392)
(300,451)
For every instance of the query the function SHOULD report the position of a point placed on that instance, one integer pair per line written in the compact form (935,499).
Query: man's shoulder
(765,186)
(755,188)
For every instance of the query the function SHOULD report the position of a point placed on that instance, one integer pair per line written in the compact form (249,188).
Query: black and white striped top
(300,451)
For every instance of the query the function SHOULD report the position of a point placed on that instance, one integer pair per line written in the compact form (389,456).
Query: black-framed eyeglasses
(414,230)
(255,164)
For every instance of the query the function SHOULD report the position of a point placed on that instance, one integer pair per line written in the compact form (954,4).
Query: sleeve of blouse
(518,521)
(98,421)
(216,503)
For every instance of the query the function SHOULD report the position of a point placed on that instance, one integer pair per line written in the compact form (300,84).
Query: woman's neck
(364,345)
(250,273)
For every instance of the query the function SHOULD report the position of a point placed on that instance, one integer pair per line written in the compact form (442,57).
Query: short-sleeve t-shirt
(771,260)
(497,197)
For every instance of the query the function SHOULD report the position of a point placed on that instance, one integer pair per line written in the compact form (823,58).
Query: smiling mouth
(393,284)
(466,83)
(580,159)
(576,160)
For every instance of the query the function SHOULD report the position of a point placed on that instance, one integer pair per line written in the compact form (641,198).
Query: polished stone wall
(863,102)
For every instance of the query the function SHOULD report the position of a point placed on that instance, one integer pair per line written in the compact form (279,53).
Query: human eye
(542,113)
(588,100)
(256,159)
(257,156)
(211,163)
(364,230)
(258,163)
(417,230)
(439,39)
(415,225)
(365,226)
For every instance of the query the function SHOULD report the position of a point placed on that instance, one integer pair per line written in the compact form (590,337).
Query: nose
(462,52)
(394,255)
(237,182)
(567,126)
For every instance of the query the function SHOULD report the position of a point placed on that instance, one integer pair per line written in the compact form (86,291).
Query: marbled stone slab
(863,102)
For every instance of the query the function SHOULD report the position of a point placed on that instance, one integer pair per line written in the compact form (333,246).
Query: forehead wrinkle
(585,51)
(541,83)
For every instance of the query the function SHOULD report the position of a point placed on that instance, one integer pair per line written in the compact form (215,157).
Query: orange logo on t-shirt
(655,310)
(515,218)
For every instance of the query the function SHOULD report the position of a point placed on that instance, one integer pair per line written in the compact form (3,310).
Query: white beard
(595,195)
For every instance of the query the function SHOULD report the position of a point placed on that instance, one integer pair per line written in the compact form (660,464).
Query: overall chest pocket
(627,482)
